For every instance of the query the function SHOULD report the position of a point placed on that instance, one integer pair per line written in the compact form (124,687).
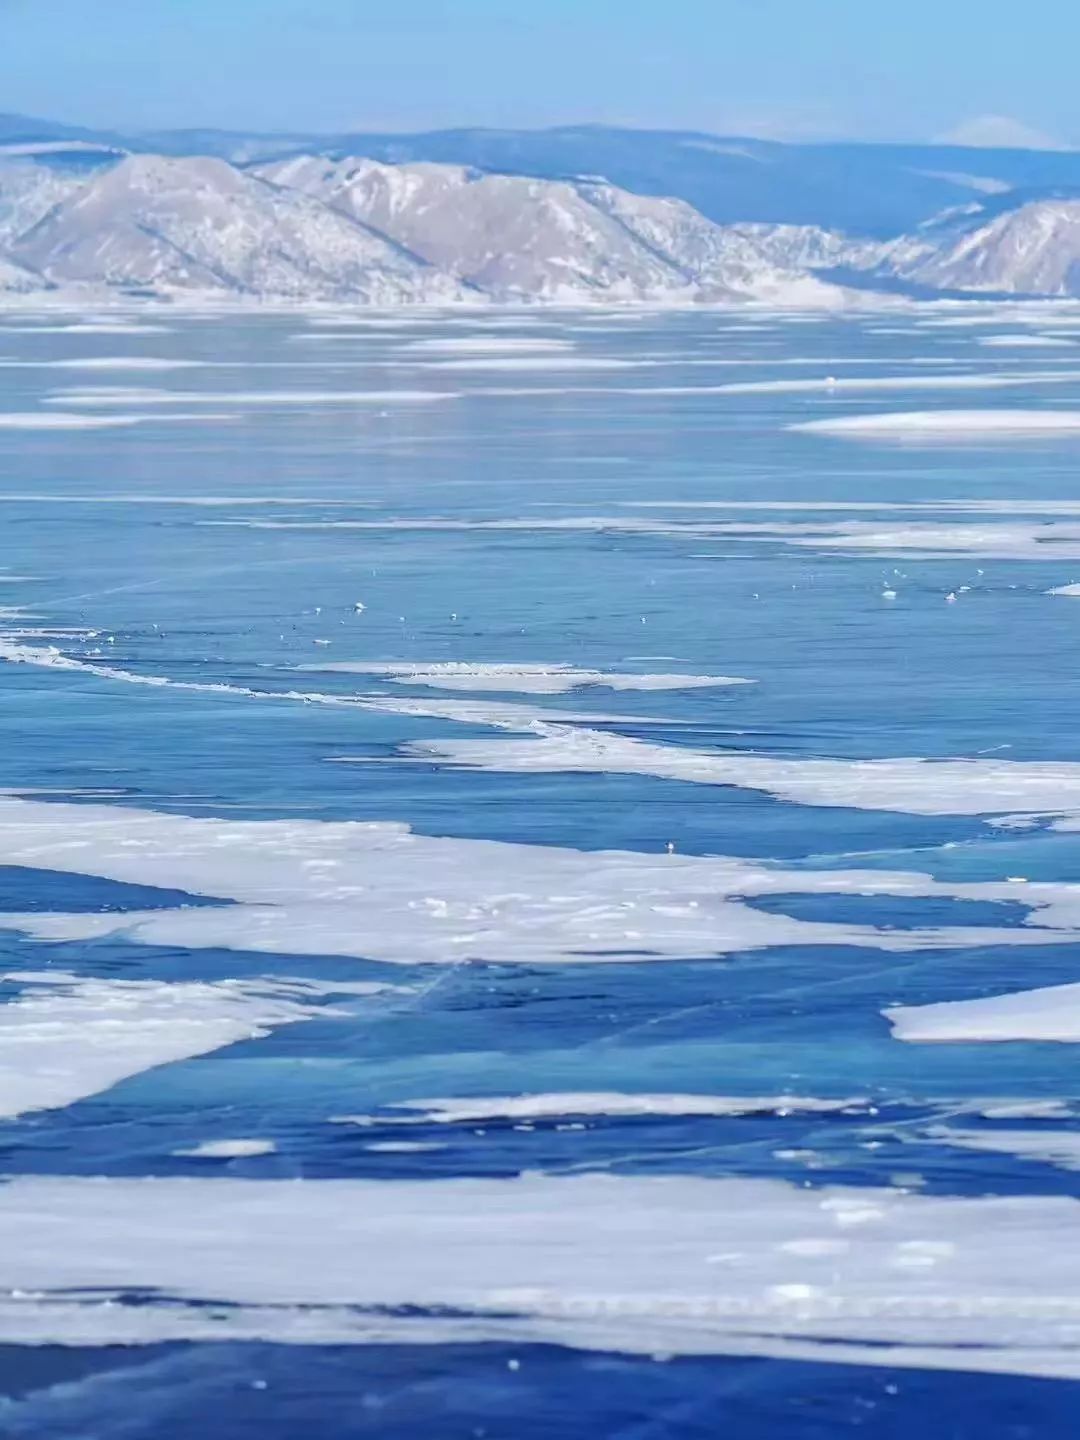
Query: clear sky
(869,69)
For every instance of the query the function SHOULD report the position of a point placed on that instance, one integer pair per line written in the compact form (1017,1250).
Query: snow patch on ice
(1051,1013)
(65,1037)
(950,424)
(524,679)
(229,1149)
(673,1265)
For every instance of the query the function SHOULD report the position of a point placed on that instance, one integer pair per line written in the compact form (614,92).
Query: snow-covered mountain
(17,280)
(150,223)
(94,218)
(1011,245)
(519,238)
(309,228)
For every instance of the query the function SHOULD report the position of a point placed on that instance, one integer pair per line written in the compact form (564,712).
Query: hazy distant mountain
(85,209)
(877,191)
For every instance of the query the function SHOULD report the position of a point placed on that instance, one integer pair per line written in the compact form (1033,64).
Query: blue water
(195,593)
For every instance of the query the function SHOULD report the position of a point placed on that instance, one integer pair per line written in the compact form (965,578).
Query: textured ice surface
(533,679)
(1051,1147)
(106,396)
(1051,1013)
(911,785)
(675,1265)
(65,1037)
(57,420)
(950,424)
(566,1103)
(858,383)
(228,1149)
(379,891)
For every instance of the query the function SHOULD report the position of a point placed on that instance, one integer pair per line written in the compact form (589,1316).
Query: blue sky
(915,69)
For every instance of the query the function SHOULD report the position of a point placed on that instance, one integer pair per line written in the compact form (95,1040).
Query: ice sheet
(949,425)
(523,679)
(646,1265)
(1051,1013)
(65,1037)
(559,1105)
(1051,1147)
(380,891)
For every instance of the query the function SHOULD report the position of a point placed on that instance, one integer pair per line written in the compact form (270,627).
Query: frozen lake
(593,798)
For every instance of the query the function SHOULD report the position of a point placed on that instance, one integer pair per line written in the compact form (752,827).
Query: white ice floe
(65,1037)
(1027,1110)
(561,742)
(490,345)
(672,1265)
(106,396)
(1018,540)
(537,362)
(1021,341)
(1051,1147)
(123,362)
(1051,1013)
(229,1149)
(614,1105)
(118,327)
(380,891)
(950,424)
(58,420)
(499,715)
(859,383)
(909,785)
(523,679)
(1071,590)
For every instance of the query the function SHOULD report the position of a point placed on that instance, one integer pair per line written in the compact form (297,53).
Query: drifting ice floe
(66,1037)
(523,679)
(56,420)
(912,786)
(1051,1013)
(121,362)
(228,1149)
(1018,541)
(1024,342)
(561,1104)
(490,345)
(673,1265)
(909,785)
(381,892)
(1052,1147)
(858,383)
(106,396)
(950,424)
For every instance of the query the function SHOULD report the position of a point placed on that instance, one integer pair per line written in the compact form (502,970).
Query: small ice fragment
(228,1149)
(358,606)
(950,598)
(888,594)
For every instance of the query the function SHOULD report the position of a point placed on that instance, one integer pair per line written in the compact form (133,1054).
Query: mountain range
(566,216)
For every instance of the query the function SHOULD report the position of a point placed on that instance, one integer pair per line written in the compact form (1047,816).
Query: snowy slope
(1032,248)
(160,224)
(16,280)
(517,237)
(29,190)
